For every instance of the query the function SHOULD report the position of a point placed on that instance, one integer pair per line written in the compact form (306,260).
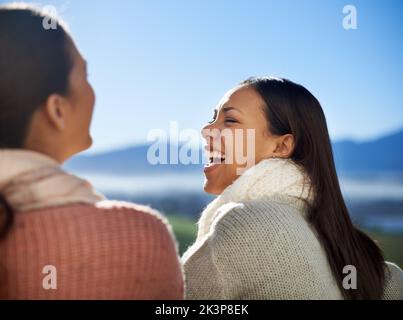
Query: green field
(391,244)
(185,230)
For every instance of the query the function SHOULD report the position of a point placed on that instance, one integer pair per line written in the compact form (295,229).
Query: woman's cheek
(90,103)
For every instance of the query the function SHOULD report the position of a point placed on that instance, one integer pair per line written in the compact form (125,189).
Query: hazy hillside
(132,160)
(382,154)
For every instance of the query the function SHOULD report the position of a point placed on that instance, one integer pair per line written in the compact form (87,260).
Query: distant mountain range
(131,160)
(383,154)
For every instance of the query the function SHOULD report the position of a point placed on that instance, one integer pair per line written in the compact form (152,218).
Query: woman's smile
(216,159)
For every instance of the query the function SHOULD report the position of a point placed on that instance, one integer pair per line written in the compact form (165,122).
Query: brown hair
(292,109)
(34,63)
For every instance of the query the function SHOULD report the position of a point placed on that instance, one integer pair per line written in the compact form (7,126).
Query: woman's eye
(230,120)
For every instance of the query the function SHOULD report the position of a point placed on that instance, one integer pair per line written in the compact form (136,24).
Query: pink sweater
(110,250)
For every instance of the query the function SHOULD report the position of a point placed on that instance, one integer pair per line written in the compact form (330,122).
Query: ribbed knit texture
(254,242)
(265,250)
(111,250)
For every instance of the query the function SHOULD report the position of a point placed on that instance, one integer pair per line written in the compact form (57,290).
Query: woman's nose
(209,131)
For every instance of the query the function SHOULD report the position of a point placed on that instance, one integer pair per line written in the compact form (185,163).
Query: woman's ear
(284,146)
(56,110)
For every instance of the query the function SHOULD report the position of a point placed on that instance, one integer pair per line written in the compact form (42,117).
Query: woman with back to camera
(52,221)
(281,230)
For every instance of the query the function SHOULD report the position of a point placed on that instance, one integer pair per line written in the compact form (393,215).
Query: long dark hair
(35,62)
(292,109)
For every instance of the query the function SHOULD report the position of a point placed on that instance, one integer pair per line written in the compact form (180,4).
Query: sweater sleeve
(260,255)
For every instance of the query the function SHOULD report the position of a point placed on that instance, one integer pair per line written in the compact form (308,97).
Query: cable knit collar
(270,178)
(30,180)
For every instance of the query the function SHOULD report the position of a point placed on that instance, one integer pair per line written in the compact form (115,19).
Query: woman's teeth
(216,160)
(216,157)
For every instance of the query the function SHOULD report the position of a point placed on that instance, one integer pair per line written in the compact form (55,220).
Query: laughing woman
(281,230)
(52,221)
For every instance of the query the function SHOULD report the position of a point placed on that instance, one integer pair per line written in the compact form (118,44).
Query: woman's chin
(215,178)
(89,142)
(212,188)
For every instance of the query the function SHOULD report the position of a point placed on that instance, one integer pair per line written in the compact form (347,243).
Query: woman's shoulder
(271,214)
(120,220)
(393,282)
(120,211)
(269,226)
(129,210)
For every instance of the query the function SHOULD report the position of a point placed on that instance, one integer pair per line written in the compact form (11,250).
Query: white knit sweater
(254,242)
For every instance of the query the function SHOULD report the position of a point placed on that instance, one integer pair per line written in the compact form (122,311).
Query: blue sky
(155,61)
